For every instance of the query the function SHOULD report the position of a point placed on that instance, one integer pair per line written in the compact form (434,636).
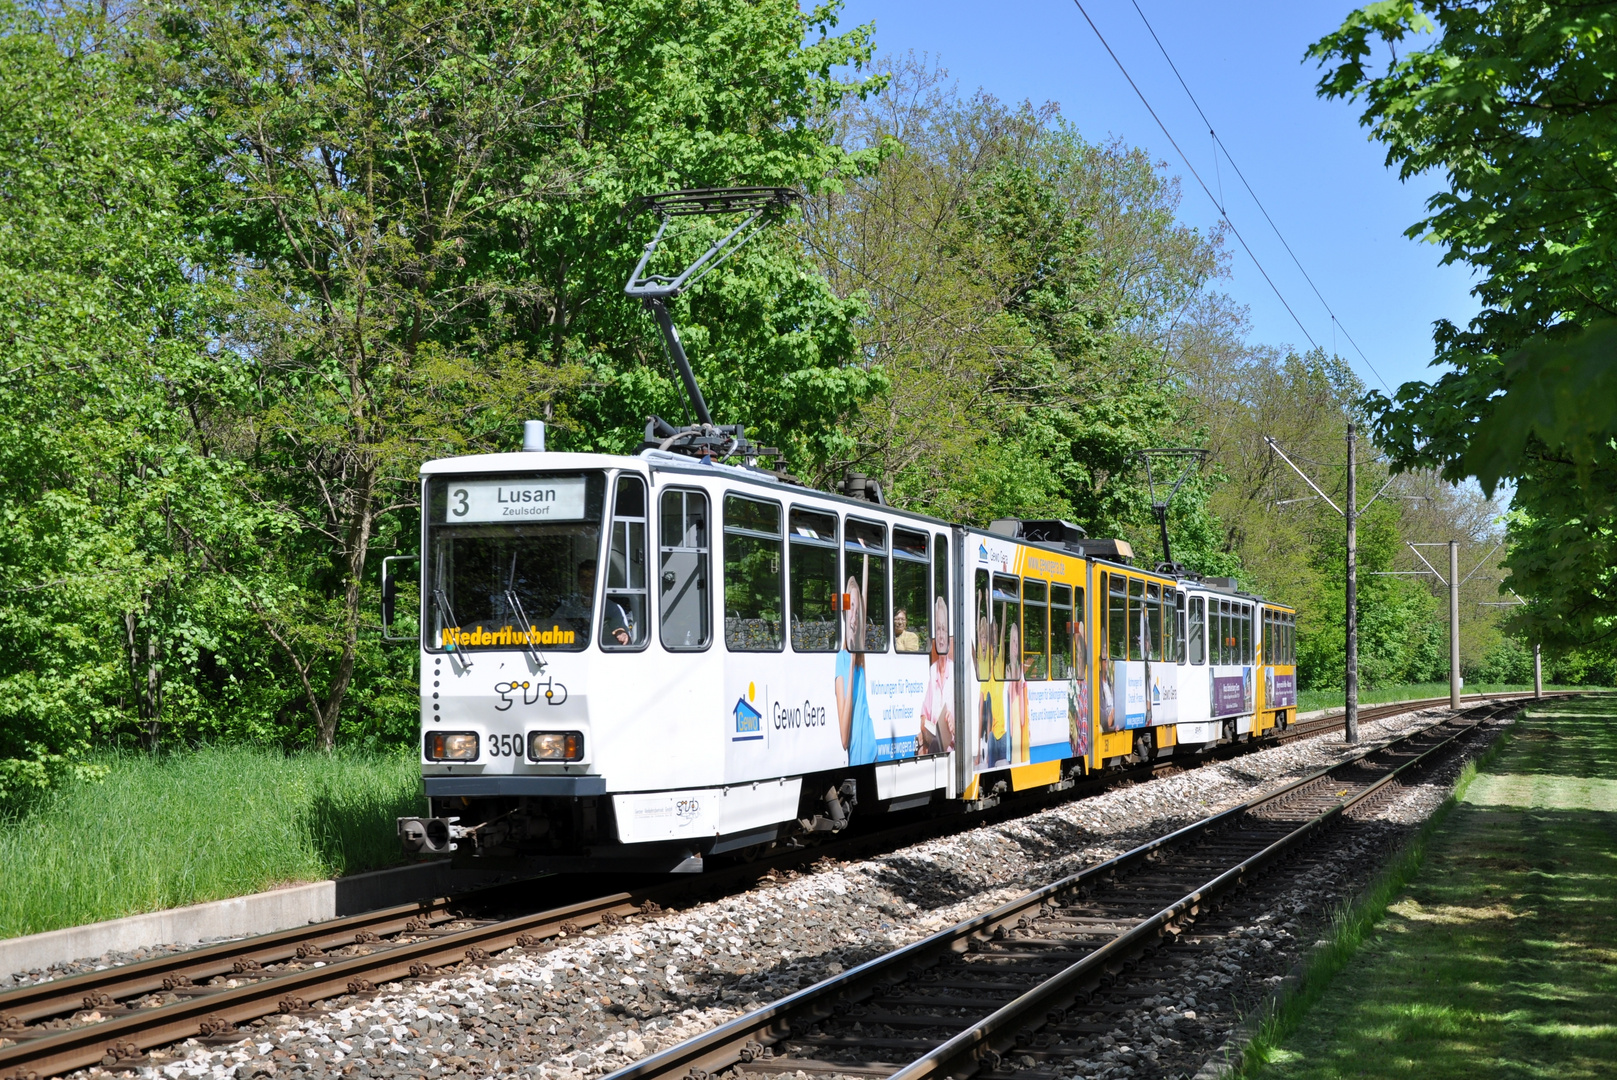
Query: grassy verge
(1309,700)
(1489,948)
(161,832)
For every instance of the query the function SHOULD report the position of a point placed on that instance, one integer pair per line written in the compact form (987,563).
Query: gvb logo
(531,691)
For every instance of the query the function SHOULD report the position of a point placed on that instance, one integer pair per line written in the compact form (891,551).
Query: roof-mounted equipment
(1186,459)
(1062,534)
(859,486)
(760,206)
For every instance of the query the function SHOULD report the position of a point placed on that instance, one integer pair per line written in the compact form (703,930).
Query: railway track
(112,1017)
(1309,728)
(966,1000)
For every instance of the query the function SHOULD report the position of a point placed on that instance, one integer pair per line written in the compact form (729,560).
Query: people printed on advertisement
(1108,699)
(1078,694)
(937,707)
(1016,704)
(993,736)
(853,702)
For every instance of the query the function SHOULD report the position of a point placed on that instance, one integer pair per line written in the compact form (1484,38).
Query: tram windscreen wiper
(447,612)
(524,627)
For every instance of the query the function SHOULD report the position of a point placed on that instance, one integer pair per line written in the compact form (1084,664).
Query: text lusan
(525,495)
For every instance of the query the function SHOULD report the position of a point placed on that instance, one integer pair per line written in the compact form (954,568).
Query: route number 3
(461,506)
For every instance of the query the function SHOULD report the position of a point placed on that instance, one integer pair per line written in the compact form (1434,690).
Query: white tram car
(642,662)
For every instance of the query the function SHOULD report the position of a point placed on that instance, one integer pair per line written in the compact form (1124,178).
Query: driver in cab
(576,606)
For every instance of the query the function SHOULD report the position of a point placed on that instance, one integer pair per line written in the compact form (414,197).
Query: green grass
(182,828)
(1490,947)
(1309,700)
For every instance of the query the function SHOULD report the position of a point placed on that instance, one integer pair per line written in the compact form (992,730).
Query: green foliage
(98,336)
(1509,102)
(1293,546)
(260,261)
(1023,286)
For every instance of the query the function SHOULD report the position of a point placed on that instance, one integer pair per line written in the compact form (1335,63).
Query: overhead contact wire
(1336,323)
(1186,159)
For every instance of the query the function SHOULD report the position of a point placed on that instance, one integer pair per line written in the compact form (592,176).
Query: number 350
(505,745)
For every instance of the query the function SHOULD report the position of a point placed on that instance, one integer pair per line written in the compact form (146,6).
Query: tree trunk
(145,674)
(361,524)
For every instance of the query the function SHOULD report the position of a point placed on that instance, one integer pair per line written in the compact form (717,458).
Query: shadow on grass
(1500,957)
(354,830)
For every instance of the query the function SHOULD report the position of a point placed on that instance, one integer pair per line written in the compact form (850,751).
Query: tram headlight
(555,746)
(452,746)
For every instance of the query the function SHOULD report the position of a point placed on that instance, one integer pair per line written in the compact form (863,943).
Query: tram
(651,661)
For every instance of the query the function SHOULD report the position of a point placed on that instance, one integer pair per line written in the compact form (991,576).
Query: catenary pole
(1350,719)
(1454,624)
(1350,683)
(1538,673)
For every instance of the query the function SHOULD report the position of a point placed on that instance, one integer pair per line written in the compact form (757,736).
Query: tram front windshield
(512,562)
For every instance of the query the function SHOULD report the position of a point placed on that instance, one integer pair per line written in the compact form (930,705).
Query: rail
(1087,925)
(355,953)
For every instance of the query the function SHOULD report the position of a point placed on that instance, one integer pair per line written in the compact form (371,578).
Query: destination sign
(555,499)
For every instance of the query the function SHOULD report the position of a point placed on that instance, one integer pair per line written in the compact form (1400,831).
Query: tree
(98,331)
(1030,295)
(1512,101)
(421,207)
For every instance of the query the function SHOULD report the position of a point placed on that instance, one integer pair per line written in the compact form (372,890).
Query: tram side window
(1035,630)
(912,608)
(812,573)
(940,576)
(1137,620)
(1222,652)
(1080,635)
(864,550)
(982,644)
(1153,616)
(1198,630)
(1244,621)
(752,575)
(623,619)
(1117,617)
(682,553)
(1179,654)
(1007,626)
(1173,616)
(1061,628)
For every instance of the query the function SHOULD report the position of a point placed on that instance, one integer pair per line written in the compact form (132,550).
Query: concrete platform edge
(241,916)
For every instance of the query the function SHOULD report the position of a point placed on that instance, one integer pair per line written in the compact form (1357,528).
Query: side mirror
(390,595)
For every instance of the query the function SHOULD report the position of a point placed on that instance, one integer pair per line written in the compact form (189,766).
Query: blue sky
(1342,210)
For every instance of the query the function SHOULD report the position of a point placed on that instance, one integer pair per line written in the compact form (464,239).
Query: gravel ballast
(591,1003)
